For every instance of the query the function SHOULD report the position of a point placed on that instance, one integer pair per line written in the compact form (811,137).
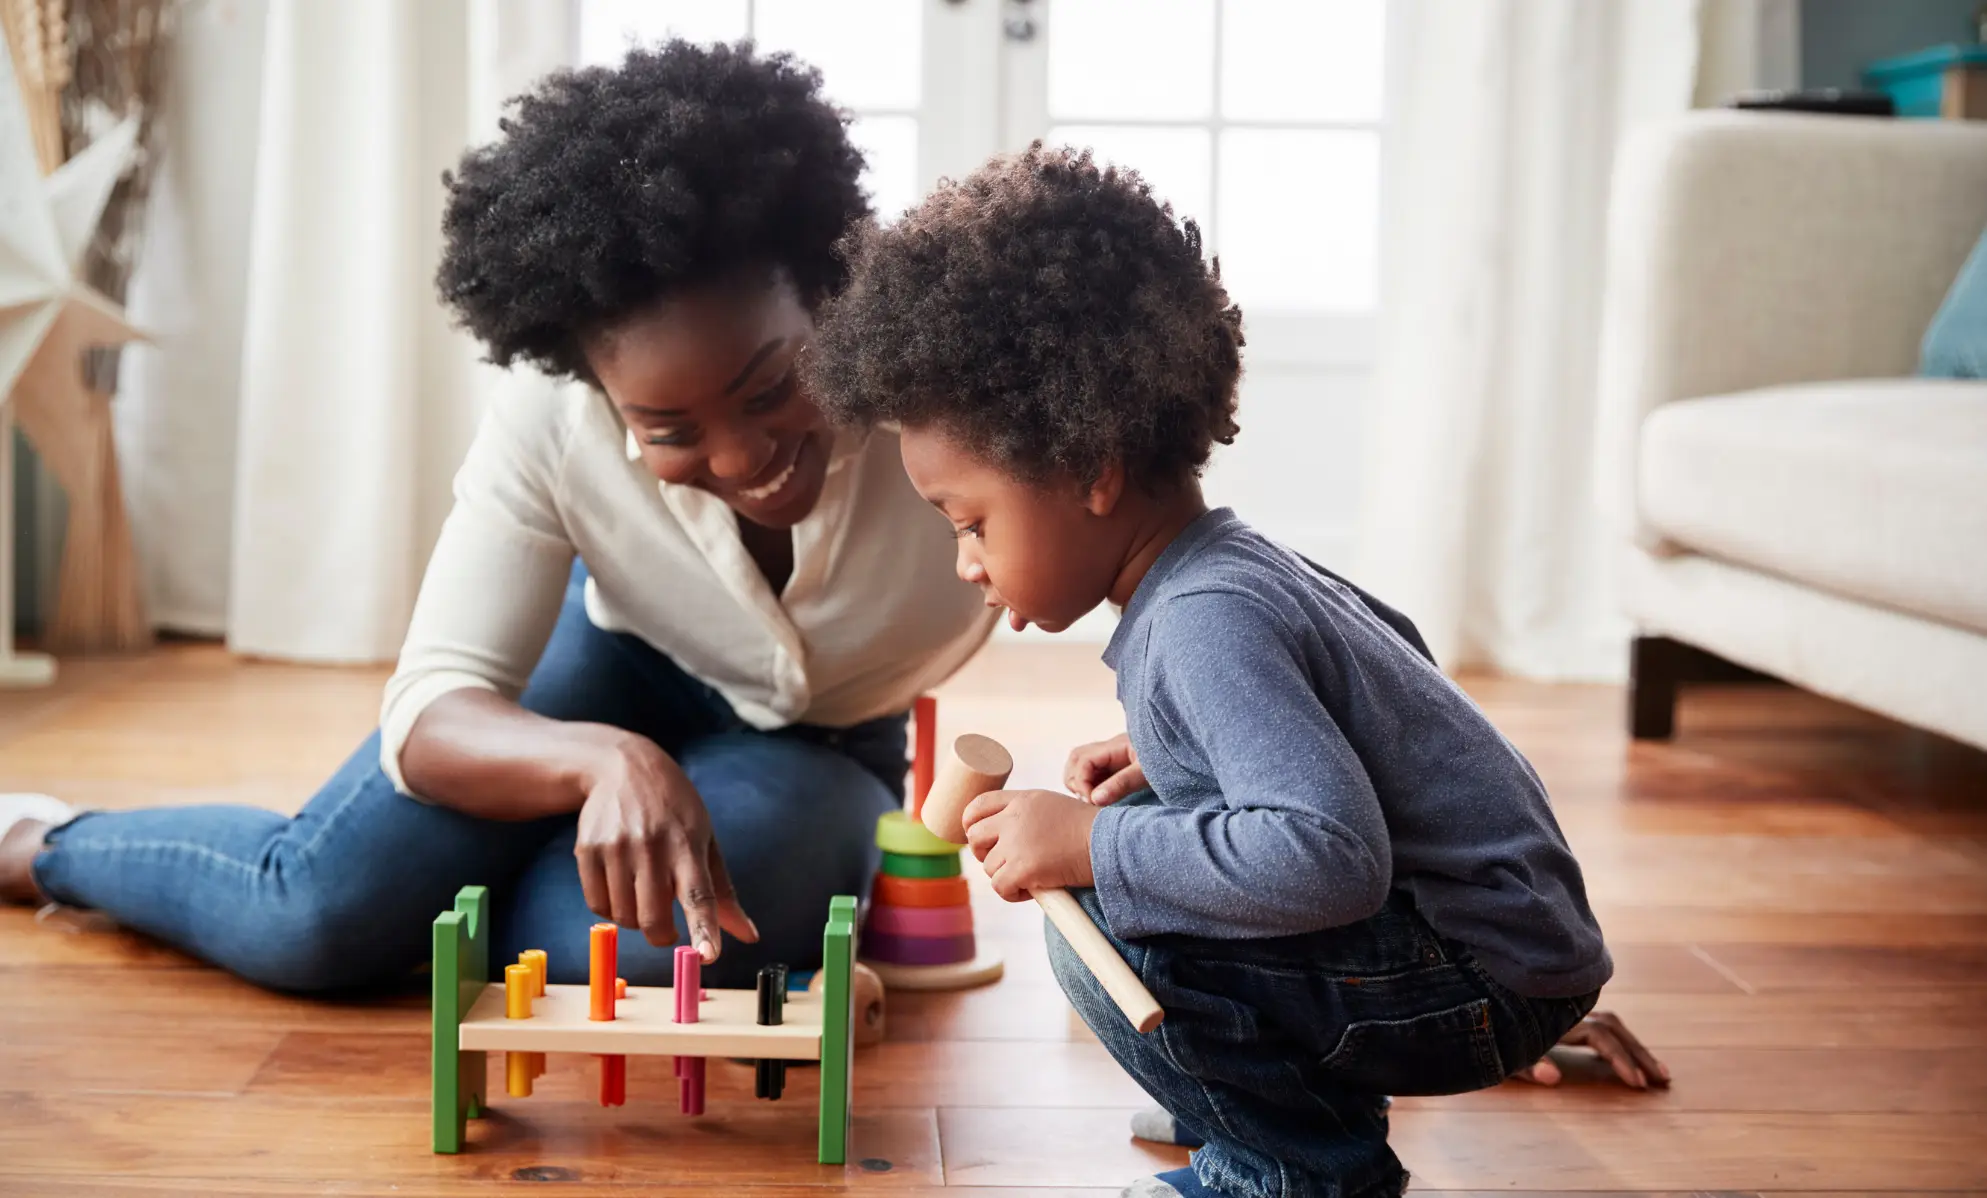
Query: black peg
(769,1076)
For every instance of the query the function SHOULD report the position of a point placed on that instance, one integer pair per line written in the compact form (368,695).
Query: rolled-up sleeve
(498,574)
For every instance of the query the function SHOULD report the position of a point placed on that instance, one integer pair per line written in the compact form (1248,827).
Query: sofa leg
(1655,666)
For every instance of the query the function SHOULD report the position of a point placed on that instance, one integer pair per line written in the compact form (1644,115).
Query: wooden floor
(1796,895)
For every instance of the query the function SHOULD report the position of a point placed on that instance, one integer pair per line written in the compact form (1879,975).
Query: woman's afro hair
(614,187)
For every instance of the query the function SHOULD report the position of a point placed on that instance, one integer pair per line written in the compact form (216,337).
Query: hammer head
(970,767)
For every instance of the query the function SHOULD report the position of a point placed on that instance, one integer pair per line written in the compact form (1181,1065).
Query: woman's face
(706,382)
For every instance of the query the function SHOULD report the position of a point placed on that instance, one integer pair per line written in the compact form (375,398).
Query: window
(869,53)
(1259,118)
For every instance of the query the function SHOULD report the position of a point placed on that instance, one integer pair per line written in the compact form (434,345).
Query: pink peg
(689,988)
(689,991)
(692,1087)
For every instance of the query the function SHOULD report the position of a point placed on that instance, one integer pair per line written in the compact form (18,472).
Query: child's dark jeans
(1280,1053)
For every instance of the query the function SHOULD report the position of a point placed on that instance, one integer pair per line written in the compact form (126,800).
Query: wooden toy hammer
(976,764)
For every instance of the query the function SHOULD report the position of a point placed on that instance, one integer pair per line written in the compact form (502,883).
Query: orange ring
(919,892)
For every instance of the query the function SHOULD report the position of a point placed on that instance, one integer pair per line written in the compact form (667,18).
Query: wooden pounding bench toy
(918,935)
(525,1018)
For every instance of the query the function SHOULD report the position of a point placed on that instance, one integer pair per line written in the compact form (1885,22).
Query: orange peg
(600,978)
(620,987)
(613,1080)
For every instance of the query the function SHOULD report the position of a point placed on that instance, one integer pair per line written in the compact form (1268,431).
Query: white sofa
(1790,496)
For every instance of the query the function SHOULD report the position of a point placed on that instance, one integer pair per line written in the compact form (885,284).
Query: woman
(755,604)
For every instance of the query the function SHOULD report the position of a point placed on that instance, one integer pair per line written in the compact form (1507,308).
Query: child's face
(1048,554)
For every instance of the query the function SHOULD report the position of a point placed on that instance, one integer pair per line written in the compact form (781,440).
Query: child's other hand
(1105,771)
(1030,840)
(1612,1042)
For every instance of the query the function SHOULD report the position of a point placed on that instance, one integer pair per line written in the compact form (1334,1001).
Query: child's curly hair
(1050,314)
(613,187)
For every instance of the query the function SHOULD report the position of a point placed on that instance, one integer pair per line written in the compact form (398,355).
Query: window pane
(1300,223)
(607,26)
(890,143)
(1173,159)
(1315,60)
(870,51)
(1131,59)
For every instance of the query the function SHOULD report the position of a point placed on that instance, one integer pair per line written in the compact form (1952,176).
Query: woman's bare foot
(17,853)
(24,823)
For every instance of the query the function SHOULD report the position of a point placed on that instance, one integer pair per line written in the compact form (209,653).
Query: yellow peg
(517,992)
(535,957)
(519,985)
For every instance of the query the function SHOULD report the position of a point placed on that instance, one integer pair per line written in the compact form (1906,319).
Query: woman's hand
(1103,772)
(1609,1037)
(645,840)
(1030,840)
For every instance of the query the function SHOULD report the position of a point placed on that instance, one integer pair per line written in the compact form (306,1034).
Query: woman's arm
(474,751)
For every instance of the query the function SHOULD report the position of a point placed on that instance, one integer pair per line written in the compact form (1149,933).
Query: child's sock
(1156,1125)
(1174,1183)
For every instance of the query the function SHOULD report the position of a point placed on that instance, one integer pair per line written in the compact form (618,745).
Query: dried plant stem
(41,69)
(55,45)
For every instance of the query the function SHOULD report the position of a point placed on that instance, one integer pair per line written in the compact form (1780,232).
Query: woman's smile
(760,494)
(782,495)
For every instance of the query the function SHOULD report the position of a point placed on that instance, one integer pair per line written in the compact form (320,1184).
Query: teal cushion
(1955,346)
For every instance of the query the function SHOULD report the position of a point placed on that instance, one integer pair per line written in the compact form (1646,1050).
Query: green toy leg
(838,951)
(474,903)
(461,970)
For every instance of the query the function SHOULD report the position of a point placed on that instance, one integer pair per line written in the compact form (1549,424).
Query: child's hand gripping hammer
(968,768)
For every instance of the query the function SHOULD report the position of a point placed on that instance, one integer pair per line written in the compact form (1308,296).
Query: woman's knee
(328,929)
(785,812)
(795,824)
(315,934)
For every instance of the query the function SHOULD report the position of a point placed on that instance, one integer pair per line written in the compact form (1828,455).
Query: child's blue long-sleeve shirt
(1308,758)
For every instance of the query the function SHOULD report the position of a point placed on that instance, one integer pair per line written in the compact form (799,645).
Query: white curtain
(1479,515)
(291,439)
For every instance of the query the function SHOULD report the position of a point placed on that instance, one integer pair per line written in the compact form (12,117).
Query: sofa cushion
(1872,489)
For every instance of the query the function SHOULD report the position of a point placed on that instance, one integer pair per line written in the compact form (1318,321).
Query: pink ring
(921,921)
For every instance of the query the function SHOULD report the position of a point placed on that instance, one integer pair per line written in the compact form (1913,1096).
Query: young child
(1335,875)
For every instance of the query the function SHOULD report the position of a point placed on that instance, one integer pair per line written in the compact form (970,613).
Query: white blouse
(872,616)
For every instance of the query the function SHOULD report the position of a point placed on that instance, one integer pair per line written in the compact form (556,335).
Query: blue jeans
(1280,1053)
(344,894)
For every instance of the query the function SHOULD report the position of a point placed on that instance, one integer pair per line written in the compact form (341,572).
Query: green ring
(898,865)
(898,833)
